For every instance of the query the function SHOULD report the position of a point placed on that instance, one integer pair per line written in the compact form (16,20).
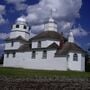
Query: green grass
(28,73)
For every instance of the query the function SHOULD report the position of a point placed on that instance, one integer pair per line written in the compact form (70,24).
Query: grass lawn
(28,73)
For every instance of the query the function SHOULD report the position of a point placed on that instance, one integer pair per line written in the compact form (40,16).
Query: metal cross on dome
(52,10)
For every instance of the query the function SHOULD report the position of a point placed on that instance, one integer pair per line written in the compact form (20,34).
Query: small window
(75,57)
(44,54)
(33,54)
(39,44)
(7,55)
(30,45)
(14,54)
(68,57)
(25,27)
(12,43)
(17,26)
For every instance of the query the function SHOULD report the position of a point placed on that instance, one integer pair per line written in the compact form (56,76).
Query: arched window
(30,45)
(7,55)
(14,54)
(39,44)
(68,57)
(33,54)
(12,43)
(44,54)
(75,57)
(17,26)
(25,27)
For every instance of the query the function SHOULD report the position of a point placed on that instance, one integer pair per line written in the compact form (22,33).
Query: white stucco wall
(16,45)
(44,43)
(24,60)
(22,34)
(76,65)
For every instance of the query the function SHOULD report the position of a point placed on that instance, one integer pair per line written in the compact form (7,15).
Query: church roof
(52,46)
(69,47)
(49,35)
(25,47)
(19,38)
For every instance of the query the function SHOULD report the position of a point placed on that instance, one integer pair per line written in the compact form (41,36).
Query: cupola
(71,37)
(20,28)
(51,25)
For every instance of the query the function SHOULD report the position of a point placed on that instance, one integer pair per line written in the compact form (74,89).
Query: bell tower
(20,28)
(51,24)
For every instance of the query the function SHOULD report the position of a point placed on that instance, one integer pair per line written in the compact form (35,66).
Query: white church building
(49,50)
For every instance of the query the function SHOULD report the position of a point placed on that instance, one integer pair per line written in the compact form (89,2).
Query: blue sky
(67,13)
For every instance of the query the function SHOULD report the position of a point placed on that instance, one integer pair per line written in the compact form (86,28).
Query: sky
(69,14)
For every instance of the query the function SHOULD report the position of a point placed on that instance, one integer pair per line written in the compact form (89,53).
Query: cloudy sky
(69,14)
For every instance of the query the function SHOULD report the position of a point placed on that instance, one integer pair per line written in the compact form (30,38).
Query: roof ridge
(49,35)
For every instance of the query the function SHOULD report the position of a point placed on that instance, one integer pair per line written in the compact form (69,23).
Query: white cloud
(65,26)
(3,36)
(79,31)
(2,46)
(65,10)
(37,28)
(19,4)
(2,20)
(2,9)
(2,12)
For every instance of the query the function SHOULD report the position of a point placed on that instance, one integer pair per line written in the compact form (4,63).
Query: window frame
(68,57)
(39,44)
(44,54)
(7,55)
(33,54)
(17,26)
(12,43)
(75,57)
(14,54)
(24,27)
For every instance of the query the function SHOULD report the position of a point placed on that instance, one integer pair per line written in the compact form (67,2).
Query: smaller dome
(21,19)
(51,19)
(71,37)
(71,33)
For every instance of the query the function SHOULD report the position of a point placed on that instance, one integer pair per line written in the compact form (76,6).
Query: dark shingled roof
(53,46)
(49,35)
(24,48)
(19,38)
(69,47)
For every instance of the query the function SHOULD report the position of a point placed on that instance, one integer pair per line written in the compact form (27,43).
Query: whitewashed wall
(24,60)
(44,43)
(76,65)
(16,45)
(22,34)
